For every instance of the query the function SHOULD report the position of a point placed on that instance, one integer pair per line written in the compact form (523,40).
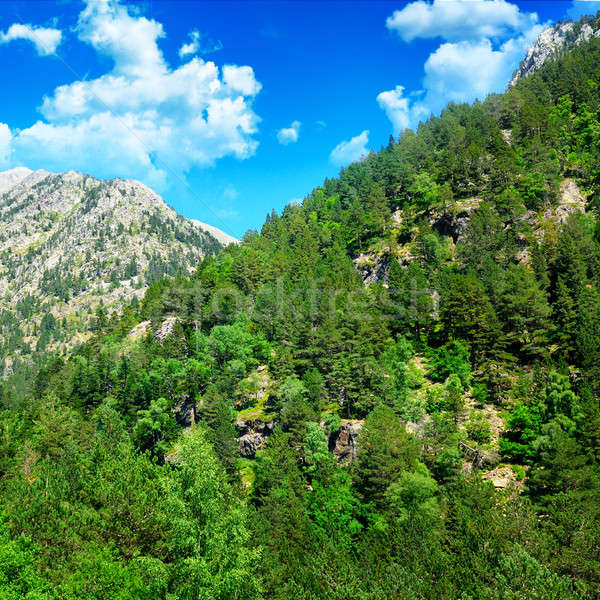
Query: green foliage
(453,394)
(479,430)
(413,495)
(120,472)
(386,450)
(19,576)
(520,575)
(155,429)
(210,526)
(450,359)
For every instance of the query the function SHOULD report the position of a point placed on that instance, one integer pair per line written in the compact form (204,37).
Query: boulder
(480,458)
(250,443)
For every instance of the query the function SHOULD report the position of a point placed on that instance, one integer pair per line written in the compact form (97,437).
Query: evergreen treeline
(493,308)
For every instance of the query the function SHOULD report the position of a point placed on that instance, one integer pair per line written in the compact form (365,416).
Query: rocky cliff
(555,41)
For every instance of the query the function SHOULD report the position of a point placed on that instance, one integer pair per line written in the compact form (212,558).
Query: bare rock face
(139,330)
(251,443)
(454,224)
(344,443)
(551,43)
(185,413)
(254,435)
(372,268)
(166,329)
(571,201)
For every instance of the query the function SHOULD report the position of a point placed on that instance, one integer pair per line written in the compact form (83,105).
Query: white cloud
(130,41)
(349,151)
(289,135)
(465,71)
(141,115)
(459,19)
(460,70)
(46,40)
(5,138)
(199,44)
(241,79)
(401,110)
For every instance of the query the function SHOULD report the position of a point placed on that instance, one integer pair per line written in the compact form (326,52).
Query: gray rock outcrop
(372,268)
(344,443)
(454,223)
(254,435)
(551,43)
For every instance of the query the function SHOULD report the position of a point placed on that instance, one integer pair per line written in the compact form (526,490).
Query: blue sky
(230,109)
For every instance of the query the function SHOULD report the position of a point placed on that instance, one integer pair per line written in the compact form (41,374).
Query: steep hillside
(70,243)
(389,392)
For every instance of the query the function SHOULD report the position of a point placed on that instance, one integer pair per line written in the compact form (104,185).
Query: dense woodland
(106,495)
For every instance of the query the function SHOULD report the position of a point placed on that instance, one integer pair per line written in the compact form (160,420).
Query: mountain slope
(69,243)
(220,236)
(469,363)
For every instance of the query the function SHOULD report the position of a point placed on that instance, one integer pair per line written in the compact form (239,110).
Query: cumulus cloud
(486,41)
(401,110)
(5,138)
(46,40)
(465,71)
(199,44)
(289,135)
(142,118)
(349,151)
(459,19)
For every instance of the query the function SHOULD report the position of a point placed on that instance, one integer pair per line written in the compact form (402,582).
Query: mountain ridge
(70,243)
(11,178)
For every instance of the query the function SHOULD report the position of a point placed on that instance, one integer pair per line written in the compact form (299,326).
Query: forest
(120,469)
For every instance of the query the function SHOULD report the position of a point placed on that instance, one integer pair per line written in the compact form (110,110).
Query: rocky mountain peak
(553,42)
(71,243)
(8,179)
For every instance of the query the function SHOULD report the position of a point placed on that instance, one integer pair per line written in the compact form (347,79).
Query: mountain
(9,179)
(389,392)
(70,243)
(555,41)
(220,236)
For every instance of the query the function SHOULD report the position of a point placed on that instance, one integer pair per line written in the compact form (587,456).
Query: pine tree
(565,320)
(588,334)
(386,449)
(526,311)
